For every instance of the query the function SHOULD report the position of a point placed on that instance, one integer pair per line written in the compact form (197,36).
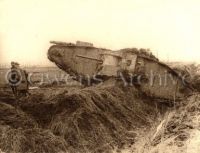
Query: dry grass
(99,120)
(30,140)
(95,119)
(19,133)
(177,132)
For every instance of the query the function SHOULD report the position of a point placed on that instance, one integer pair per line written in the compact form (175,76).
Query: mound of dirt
(15,118)
(93,119)
(19,133)
(7,96)
(190,73)
(30,140)
(97,119)
(178,131)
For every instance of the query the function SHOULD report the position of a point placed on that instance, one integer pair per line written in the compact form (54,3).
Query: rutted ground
(96,119)
(178,131)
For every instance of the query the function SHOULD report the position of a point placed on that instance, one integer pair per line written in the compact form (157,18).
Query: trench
(92,119)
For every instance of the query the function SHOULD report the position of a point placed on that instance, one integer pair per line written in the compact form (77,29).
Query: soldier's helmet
(12,63)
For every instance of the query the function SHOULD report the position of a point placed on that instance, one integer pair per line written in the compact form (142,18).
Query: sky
(170,28)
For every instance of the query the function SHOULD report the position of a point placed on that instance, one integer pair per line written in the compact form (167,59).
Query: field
(60,115)
(41,76)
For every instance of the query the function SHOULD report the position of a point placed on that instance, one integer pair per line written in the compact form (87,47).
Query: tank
(131,66)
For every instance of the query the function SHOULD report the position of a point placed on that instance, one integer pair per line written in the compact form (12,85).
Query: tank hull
(152,77)
(76,60)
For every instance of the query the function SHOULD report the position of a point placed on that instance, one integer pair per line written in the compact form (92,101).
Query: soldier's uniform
(13,78)
(20,84)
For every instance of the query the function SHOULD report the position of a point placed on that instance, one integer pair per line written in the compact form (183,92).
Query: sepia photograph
(99,76)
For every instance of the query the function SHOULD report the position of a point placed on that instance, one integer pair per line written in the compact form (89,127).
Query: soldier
(24,84)
(18,80)
(13,78)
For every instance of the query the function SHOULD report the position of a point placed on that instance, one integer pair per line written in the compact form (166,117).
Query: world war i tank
(134,67)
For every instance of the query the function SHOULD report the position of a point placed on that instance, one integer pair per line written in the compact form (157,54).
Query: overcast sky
(170,28)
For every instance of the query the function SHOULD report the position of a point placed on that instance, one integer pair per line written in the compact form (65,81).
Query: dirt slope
(178,131)
(94,119)
(97,119)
